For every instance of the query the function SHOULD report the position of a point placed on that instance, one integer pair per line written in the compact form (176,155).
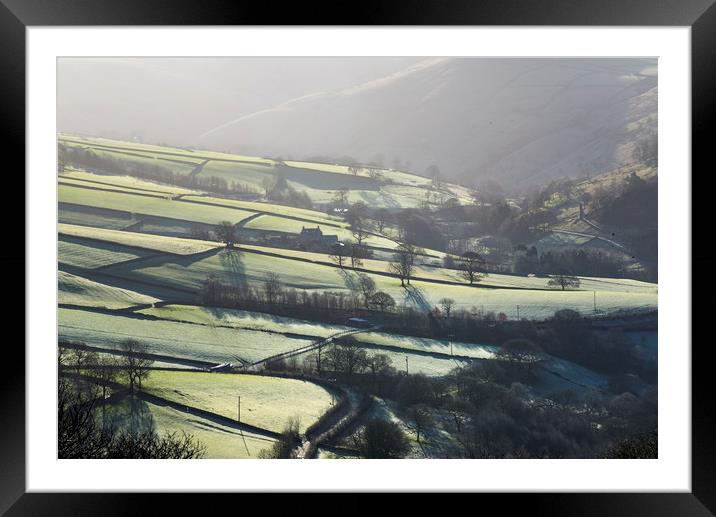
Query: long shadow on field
(350,278)
(233,264)
(415,296)
(131,414)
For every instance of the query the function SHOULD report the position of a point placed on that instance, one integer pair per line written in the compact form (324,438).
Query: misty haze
(528,119)
(360,257)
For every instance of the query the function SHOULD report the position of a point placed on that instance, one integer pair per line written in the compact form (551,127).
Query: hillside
(513,120)
(202,170)
(619,213)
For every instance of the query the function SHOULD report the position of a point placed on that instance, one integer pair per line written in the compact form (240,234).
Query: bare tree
(446,304)
(338,254)
(135,362)
(356,253)
(340,198)
(471,264)
(268,184)
(419,419)
(347,358)
(272,287)
(106,371)
(381,439)
(367,288)
(564,281)
(79,358)
(383,300)
(359,232)
(433,172)
(284,446)
(78,432)
(380,364)
(403,262)
(522,353)
(227,233)
(150,445)
(382,218)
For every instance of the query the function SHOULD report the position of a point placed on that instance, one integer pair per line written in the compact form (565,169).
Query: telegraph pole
(518,313)
(406,365)
(595,302)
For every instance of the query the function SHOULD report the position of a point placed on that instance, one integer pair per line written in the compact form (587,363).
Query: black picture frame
(700,15)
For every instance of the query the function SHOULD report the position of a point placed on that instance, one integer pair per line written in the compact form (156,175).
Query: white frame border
(671,472)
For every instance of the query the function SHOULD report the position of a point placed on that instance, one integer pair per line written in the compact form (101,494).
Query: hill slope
(526,120)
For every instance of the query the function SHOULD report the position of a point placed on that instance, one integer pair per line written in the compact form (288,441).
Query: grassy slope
(239,267)
(311,215)
(182,340)
(267,322)
(396,189)
(94,255)
(154,242)
(127,182)
(150,205)
(266,402)
(76,290)
(221,441)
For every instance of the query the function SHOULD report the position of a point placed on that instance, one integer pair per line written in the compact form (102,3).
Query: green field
(95,217)
(393,189)
(140,240)
(150,205)
(72,182)
(266,402)
(177,165)
(270,208)
(93,255)
(248,320)
(75,290)
(174,339)
(125,182)
(278,324)
(238,267)
(221,441)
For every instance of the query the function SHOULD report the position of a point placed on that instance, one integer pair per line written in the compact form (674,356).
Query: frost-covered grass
(174,339)
(76,290)
(238,267)
(393,345)
(266,402)
(435,346)
(93,256)
(248,320)
(141,240)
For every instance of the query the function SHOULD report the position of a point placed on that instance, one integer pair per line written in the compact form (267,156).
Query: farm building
(311,238)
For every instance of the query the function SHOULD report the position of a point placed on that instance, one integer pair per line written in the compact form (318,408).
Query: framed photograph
(433,248)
